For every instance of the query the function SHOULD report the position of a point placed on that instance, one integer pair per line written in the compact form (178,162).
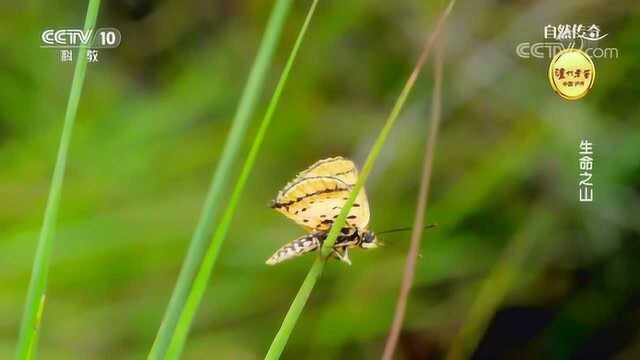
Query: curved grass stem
(281,338)
(219,183)
(194,298)
(34,307)
(421,208)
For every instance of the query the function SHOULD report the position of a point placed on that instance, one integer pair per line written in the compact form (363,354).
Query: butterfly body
(314,199)
(313,241)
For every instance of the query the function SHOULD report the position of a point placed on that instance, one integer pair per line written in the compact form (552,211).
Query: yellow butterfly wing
(345,170)
(338,167)
(316,196)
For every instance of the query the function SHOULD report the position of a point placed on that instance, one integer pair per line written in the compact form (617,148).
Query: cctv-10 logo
(106,38)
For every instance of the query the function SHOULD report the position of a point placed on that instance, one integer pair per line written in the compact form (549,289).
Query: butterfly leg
(342,254)
(346,256)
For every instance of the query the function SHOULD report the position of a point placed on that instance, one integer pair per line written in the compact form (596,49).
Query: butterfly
(314,200)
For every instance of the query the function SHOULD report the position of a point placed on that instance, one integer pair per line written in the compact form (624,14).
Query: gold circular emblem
(571,74)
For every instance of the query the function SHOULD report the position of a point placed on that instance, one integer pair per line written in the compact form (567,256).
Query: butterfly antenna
(405,229)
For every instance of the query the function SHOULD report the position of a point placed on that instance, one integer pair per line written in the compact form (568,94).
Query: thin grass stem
(34,307)
(220,180)
(421,207)
(204,272)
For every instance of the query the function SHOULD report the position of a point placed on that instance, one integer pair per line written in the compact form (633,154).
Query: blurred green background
(155,112)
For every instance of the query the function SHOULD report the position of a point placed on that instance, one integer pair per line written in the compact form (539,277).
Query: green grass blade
(246,107)
(289,322)
(281,338)
(27,341)
(200,283)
